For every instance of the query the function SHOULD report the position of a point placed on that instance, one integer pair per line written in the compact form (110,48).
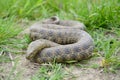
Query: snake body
(59,40)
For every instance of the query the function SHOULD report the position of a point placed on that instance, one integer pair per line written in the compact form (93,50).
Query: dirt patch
(93,74)
(24,70)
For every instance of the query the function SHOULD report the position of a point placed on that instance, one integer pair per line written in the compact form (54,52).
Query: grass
(50,72)
(8,29)
(102,18)
(108,47)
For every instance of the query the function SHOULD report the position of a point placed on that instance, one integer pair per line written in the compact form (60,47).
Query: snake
(55,40)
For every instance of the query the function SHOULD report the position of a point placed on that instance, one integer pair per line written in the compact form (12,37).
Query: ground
(102,19)
(77,71)
(22,69)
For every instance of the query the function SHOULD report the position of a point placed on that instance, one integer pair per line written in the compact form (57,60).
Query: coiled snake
(59,40)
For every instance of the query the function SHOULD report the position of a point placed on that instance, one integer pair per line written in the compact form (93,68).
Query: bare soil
(24,70)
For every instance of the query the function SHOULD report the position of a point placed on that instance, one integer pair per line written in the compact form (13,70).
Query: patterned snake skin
(59,41)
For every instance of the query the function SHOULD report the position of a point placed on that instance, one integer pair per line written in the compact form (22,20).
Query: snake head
(52,20)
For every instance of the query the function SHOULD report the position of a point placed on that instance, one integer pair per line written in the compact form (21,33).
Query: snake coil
(59,40)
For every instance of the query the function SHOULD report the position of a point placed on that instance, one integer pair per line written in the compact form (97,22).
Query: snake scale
(59,41)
